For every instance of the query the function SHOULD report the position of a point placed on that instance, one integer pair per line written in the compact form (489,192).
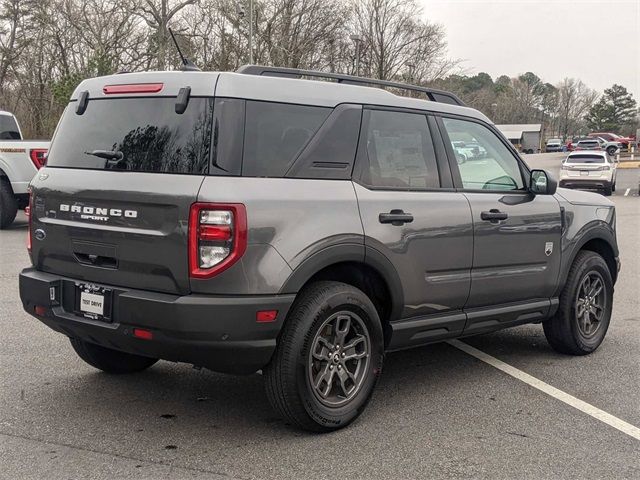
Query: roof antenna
(187,65)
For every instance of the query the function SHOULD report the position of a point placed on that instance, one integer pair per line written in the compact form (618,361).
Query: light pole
(251,32)
(411,69)
(358,40)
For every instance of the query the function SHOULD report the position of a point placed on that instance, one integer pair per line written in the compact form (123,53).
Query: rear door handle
(395,217)
(494,215)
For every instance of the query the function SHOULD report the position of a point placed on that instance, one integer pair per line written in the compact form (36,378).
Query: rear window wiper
(106,154)
(115,159)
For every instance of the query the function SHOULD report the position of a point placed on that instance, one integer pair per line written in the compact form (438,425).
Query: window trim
(525,173)
(362,154)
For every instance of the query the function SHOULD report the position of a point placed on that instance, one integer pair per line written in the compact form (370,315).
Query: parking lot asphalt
(437,412)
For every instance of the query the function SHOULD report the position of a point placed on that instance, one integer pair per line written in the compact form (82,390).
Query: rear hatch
(112,205)
(586,165)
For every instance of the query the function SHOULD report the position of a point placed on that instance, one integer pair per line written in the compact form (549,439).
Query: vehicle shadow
(21,222)
(181,401)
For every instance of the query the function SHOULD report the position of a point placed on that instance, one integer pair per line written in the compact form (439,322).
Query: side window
(400,152)
(485,163)
(275,133)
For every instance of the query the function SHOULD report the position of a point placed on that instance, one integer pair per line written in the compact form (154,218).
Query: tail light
(29,212)
(217,237)
(38,157)
(606,168)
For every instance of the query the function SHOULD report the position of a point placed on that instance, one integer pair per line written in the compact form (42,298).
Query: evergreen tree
(615,110)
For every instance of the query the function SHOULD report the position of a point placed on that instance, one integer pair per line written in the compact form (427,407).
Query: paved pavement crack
(118,455)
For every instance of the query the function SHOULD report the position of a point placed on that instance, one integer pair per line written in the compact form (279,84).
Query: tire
(110,361)
(565,332)
(607,191)
(8,204)
(613,187)
(611,151)
(320,310)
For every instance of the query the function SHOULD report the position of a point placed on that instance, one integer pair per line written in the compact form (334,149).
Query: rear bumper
(595,183)
(219,333)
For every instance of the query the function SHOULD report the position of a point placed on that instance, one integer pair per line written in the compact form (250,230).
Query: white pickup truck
(19,161)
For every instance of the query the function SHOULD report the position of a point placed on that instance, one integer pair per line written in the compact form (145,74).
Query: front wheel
(612,151)
(328,359)
(584,313)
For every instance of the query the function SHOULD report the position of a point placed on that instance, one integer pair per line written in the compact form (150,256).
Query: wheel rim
(339,359)
(590,303)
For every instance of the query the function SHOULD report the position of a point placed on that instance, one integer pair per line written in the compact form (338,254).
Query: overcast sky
(596,41)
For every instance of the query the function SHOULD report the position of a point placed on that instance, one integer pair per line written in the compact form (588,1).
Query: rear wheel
(611,151)
(607,190)
(328,359)
(108,360)
(584,313)
(8,204)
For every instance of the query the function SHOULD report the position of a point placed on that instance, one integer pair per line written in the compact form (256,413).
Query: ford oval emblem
(39,234)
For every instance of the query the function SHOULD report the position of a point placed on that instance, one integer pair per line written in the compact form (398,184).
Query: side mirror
(542,183)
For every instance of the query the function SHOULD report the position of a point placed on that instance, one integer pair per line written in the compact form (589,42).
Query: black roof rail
(431,93)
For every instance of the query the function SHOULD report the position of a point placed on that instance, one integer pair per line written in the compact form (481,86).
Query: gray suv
(263,220)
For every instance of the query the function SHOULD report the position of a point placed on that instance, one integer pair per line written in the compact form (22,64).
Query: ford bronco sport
(264,220)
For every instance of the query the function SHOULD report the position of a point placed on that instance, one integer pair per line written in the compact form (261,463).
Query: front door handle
(494,215)
(395,217)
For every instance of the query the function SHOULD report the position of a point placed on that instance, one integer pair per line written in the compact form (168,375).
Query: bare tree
(395,37)
(574,101)
(158,15)
(14,20)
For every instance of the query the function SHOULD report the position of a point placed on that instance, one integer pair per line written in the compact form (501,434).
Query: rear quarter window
(275,134)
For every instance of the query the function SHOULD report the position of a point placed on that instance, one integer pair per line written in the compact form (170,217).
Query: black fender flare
(341,253)
(598,232)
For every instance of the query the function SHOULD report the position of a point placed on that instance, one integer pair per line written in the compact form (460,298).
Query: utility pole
(241,14)
(251,32)
(358,40)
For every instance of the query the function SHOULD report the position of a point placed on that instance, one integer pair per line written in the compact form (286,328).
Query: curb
(629,164)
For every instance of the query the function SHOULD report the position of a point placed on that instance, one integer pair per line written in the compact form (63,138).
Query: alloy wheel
(590,305)
(339,359)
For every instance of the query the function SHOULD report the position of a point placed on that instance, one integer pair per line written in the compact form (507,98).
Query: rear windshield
(137,134)
(8,128)
(585,158)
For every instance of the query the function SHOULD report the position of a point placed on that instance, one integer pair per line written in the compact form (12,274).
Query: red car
(612,137)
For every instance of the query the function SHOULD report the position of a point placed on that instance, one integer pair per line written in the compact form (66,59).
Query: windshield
(9,128)
(137,134)
(585,158)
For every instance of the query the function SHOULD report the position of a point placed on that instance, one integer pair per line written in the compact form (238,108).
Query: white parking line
(584,407)
(626,194)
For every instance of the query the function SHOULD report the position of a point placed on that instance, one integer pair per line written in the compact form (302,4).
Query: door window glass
(400,152)
(485,163)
